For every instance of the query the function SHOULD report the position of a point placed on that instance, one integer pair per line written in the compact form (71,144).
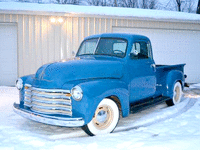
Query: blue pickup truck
(110,73)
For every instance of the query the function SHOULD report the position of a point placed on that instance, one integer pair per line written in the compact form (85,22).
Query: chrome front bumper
(52,120)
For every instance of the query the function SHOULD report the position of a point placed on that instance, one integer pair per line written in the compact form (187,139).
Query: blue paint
(130,78)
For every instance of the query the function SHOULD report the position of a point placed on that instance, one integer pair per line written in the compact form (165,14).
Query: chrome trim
(49,95)
(50,90)
(48,101)
(27,104)
(19,83)
(50,111)
(52,120)
(41,100)
(26,100)
(49,106)
(28,85)
(97,45)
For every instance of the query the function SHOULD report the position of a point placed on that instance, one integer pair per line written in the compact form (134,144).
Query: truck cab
(110,73)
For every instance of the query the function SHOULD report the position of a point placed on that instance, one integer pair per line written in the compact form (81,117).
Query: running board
(139,106)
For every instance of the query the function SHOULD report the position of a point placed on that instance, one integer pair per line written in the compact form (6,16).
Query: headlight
(19,84)
(77,93)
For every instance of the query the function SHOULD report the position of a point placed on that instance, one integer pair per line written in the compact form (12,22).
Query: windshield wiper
(84,54)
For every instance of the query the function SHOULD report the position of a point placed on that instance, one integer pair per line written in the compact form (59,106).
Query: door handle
(153,65)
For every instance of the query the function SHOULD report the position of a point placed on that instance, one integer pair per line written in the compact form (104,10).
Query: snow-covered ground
(158,127)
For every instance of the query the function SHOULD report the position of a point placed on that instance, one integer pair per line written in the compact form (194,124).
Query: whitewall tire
(177,94)
(105,118)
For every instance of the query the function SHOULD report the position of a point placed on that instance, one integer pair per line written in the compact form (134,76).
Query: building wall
(8,54)
(40,41)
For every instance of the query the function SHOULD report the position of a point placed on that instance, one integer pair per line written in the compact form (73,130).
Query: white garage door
(8,54)
(173,47)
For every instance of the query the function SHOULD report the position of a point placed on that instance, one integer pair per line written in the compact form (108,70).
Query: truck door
(141,68)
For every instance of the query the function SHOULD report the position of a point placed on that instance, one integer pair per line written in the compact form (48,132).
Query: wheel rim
(103,117)
(177,93)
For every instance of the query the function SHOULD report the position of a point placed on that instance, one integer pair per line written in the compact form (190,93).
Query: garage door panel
(8,54)
(173,47)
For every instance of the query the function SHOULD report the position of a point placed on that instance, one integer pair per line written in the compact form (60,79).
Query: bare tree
(148,4)
(189,7)
(152,4)
(75,2)
(115,3)
(144,4)
(178,2)
(198,7)
(128,3)
(179,5)
(99,2)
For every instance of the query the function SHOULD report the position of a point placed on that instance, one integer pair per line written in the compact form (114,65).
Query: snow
(158,127)
(195,85)
(98,10)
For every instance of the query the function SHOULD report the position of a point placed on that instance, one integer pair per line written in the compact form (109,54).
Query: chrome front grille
(48,101)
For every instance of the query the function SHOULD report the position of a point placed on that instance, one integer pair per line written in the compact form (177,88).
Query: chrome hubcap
(103,117)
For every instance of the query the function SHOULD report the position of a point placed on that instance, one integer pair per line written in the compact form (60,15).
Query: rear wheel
(177,94)
(105,118)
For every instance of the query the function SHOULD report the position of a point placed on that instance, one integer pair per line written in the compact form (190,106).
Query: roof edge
(64,14)
(97,12)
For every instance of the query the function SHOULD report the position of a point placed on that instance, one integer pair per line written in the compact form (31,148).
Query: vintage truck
(110,73)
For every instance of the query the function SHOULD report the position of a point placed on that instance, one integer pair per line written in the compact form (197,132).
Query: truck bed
(169,67)
(161,74)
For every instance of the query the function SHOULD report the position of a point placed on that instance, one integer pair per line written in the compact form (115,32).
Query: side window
(140,50)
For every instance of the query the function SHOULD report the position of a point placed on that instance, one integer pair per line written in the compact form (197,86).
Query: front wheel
(105,118)
(177,94)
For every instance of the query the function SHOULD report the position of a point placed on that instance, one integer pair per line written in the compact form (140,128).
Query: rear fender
(172,77)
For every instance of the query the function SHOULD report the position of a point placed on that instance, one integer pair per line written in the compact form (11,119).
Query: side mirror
(134,54)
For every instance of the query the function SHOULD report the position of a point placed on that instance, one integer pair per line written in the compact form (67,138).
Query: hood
(59,73)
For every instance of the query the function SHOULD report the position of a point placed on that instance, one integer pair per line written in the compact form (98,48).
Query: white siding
(41,42)
(173,47)
(8,54)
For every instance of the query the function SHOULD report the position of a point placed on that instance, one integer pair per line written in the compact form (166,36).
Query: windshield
(103,46)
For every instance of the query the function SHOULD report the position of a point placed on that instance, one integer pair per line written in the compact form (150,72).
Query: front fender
(172,77)
(95,91)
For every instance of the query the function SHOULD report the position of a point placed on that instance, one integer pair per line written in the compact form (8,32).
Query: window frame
(149,49)
(99,39)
